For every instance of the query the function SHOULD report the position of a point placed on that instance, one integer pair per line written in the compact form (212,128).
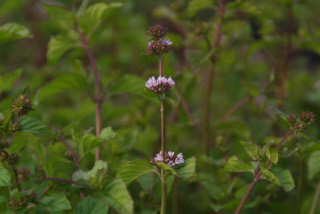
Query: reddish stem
(98,99)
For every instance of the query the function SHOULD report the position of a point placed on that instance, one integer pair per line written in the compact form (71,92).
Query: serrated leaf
(91,205)
(251,149)
(8,79)
(285,178)
(94,15)
(313,165)
(61,84)
(187,170)
(132,170)
(166,167)
(5,177)
(55,202)
(235,165)
(269,176)
(118,197)
(32,125)
(11,31)
(272,154)
(107,133)
(57,46)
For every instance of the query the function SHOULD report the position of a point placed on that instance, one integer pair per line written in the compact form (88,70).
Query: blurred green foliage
(269,56)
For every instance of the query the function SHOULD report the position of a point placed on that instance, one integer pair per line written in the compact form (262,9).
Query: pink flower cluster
(162,84)
(159,47)
(169,158)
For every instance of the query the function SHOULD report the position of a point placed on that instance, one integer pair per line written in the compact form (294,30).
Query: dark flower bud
(292,119)
(159,47)
(24,174)
(16,126)
(156,32)
(22,105)
(308,117)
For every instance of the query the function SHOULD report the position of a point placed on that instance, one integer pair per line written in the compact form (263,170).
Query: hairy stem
(163,127)
(98,99)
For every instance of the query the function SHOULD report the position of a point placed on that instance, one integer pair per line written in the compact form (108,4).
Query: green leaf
(166,167)
(5,177)
(285,178)
(57,46)
(234,165)
(90,205)
(107,133)
(118,197)
(272,154)
(132,170)
(94,15)
(11,31)
(269,176)
(8,79)
(64,83)
(60,16)
(98,173)
(32,125)
(94,177)
(187,170)
(313,165)
(251,149)
(55,202)
(195,6)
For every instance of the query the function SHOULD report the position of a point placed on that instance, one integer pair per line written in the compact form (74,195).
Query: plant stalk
(163,192)
(245,196)
(258,173)
(98,99)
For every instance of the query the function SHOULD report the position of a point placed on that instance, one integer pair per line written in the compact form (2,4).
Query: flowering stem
(164,192)
(245,196)
(98,99)
(163,146)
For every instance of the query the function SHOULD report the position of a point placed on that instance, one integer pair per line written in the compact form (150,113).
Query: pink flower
(169,158)
(162,84)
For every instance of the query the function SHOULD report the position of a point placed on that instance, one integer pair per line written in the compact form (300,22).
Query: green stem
(315,199)
(164,193)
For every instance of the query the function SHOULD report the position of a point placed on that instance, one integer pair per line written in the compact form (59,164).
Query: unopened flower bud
(22,105)
(308,117)
(159,47)
(156,32)
(292,119)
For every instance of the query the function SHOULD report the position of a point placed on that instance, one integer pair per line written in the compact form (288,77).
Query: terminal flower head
(160,85)
(156,32)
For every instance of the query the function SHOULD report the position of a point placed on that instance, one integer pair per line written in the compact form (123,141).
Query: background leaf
(5,177)
(11,31)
